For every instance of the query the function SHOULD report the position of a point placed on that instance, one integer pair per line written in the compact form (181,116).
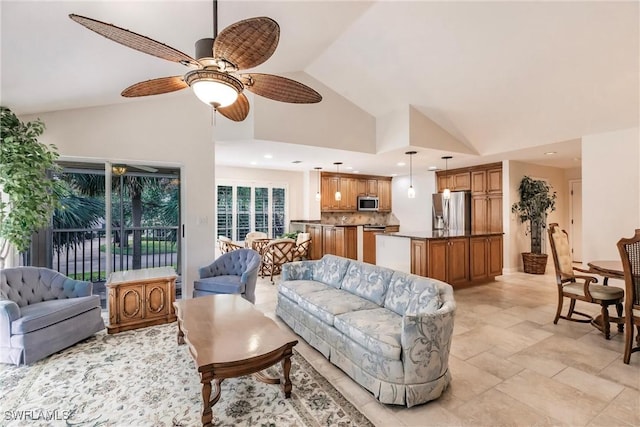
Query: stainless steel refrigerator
(453,213)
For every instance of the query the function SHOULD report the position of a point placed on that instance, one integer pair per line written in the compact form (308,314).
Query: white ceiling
(510,79)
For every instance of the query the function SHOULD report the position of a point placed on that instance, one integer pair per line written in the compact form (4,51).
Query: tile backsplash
(359,218)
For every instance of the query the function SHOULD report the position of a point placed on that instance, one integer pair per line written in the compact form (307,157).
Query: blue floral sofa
(389,331)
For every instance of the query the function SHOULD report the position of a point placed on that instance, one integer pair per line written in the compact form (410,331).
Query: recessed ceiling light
(401,163)
(268,156)
(432,168)
(349,167)
(356,171)
(549,153)
(394,174)
(254,163)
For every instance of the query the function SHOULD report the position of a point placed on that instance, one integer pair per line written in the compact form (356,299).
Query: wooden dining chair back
(630,254)
(303,245)
(276,253)
(253,235)
(225,245)
(581,287)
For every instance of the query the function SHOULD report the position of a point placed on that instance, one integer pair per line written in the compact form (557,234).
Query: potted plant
(25,179)
(536,201)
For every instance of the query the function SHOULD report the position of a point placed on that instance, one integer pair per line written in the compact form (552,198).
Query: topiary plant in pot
(25,179)
(536,202)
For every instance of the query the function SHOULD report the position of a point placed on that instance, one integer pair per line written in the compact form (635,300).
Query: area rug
(143,378)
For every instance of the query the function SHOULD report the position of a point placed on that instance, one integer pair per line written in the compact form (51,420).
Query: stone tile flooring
(511,366)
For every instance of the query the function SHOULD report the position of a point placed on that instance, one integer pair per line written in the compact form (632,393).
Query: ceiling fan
(214,75)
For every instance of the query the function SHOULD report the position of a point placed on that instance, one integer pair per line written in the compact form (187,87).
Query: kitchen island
(460,258)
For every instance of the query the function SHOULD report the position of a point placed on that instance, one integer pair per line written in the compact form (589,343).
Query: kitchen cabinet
(367,187)
(340,241)
(448,260)
(455,181)
(369,246)
(384,195)
(419,257)
(486,200)
(486,258)
(351,186)
(315,233)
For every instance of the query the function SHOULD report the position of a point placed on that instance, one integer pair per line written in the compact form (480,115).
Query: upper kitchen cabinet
(384,195)
(351,186)
(486,199)
(455,180)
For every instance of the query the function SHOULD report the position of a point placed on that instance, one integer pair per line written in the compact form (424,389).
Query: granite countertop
(439,234)
(324,224)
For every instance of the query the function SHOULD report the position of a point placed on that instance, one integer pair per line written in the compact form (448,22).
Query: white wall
(413,214)
(293,180)
(172,131)
(610,191)
(515,238)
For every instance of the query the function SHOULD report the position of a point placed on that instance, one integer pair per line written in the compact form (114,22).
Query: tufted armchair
(43,312)
(235,272)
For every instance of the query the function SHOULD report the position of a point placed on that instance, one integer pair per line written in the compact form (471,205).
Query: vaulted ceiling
(506,79)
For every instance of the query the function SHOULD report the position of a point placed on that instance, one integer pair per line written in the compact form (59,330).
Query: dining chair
(251,236)
(581,287)
(630,254)
(276,253)
(301,249)
(225,245)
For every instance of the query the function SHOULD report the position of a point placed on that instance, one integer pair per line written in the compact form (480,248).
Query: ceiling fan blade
(238,111)
(134,40)
(155,87)
(281,89)
(247,43)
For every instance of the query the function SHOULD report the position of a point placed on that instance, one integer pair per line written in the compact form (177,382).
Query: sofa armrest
(298,270)
(9,311)
(426,342)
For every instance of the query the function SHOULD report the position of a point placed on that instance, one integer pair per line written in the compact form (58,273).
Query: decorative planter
(534,263)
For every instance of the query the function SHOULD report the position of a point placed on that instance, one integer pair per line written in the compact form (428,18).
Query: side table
(141,298)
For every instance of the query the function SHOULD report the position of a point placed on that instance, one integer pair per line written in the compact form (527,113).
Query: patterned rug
(143,378)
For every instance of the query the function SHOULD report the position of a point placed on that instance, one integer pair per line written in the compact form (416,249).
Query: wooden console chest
(140,298)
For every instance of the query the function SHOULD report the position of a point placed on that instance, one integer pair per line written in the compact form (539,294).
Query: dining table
(607,269)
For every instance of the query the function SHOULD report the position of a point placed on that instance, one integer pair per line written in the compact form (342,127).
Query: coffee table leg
(286,368)
(207,401)
(180,335)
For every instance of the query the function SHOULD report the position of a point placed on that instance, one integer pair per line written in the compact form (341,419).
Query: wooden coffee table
(228,337)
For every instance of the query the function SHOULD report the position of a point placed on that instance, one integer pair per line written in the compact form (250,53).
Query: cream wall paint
(515,238)
(293,180)
(172,131)
(413,214)
(610,191)
(332,123)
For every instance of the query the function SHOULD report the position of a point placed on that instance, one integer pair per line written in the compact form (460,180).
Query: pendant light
(338,195)
(446,193)
(317,168)
(411,193)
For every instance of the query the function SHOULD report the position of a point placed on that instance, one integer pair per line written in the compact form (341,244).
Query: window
(243,208)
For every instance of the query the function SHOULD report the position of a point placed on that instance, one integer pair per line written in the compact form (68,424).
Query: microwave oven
(367,203)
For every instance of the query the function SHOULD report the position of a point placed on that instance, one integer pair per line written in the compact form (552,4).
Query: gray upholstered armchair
(235,272)
(43,312)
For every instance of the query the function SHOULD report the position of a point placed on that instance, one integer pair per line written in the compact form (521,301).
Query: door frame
(573,230)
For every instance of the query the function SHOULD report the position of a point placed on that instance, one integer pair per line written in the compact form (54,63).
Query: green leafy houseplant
(25,167)
(536,202)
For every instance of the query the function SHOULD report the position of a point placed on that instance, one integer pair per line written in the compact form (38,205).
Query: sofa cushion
(368,281)
(405,288)
(295,289)
(325,305)
(43,314)
(377,330)
(330,270)
(220,284)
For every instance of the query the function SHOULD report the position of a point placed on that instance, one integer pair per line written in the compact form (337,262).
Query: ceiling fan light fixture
(213,87)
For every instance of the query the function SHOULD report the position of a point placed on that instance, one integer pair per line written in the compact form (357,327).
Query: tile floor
(511,366)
